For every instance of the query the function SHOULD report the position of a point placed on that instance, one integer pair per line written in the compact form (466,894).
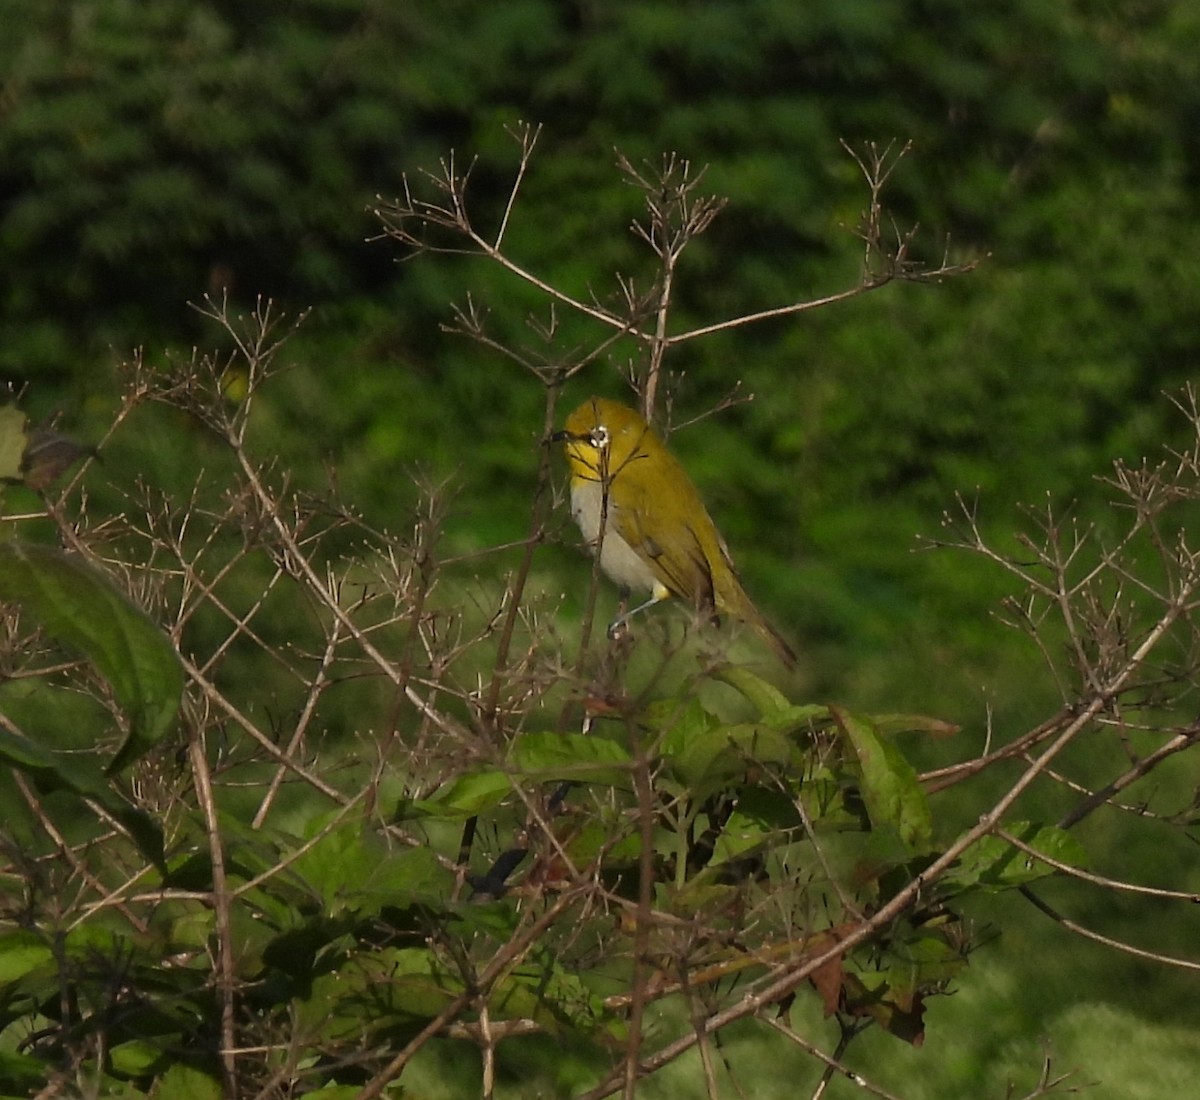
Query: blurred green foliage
(149,157)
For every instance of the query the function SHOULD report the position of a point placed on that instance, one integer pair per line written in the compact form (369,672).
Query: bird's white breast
(617,558)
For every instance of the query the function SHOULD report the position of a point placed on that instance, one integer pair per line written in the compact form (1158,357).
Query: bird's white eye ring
(599,436)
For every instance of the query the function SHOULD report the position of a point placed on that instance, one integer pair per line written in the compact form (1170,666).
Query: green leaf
(184,1082)
(21,1071)
(994,864)
(464,796)
(418,983)
(12,443)
(26,755)
(576,756)
(765,696)
(81,608)
(678,720)
(135,1057)
(595,839)
(889,724)
(21,952)
(84,777)
(922,963)
(376,988)
(724,751)
(350,868)
(554,998)
(798,716)
(761,815)
(890,788)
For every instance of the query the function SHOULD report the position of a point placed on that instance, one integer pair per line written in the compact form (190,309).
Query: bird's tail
(773,638)
(738,604)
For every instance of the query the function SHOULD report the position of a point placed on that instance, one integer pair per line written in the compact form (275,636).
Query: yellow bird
(657,534)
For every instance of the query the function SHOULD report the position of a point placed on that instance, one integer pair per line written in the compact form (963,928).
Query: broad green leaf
(405,983)
(678,720)
(21,1071)
(81,608)
(923,962)
(350,867)
(830,803)
(995,864)
(83,776)
(136,1057)
(184,1082)
(376,990)
(498,920)
(577,756)
(419,982)
(72,722)
(592,839)
(761,815)
(553,997)
(773,707)
(797,716)
(192,928)
(701,897)
(741,834)
(766,698)
(250,854)
(26,755)
(889,724)
(890,788)
(21,952)
(12,442)
(464,796)
(725,751)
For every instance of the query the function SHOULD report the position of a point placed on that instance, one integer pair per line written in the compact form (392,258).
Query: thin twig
(1094,879)
(1107,941)
(226,976)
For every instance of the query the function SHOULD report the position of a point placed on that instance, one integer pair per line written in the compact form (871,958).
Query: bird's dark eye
(599,436)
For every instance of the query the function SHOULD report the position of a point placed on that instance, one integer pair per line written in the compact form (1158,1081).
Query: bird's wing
(674,554)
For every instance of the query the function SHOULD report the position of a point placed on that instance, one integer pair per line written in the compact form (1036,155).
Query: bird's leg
(621,621)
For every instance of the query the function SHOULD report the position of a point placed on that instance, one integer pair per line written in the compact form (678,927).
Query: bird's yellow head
(602,437)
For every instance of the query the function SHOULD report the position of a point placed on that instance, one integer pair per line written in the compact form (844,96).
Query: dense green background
(150,153)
